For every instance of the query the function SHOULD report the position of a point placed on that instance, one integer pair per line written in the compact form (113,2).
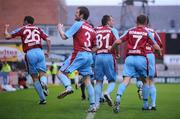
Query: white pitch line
(90,115)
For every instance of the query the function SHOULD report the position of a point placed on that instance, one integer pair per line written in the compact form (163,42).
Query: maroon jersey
(104,38)
(149,48)
(85,38)
(136,38)
(31,36)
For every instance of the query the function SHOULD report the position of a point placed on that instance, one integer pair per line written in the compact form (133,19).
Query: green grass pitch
(22,104)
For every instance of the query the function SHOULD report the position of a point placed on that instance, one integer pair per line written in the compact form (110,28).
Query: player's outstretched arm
(61,32)
(115,44)
(7,34)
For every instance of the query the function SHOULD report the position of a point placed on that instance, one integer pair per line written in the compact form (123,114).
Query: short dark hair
(84,11)
(105,19)
(141,19)
(29,19)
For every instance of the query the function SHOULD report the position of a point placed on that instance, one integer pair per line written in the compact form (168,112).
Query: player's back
(149,48)
(31,36)
(137,38)
(104,38)
(135,62)
(84,39)
(104,62)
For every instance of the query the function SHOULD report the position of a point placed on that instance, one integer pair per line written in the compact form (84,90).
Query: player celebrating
(105,60)
(31,37)
(81,58)
(135,62)
(152,68)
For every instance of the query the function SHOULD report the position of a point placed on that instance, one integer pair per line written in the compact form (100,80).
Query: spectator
(165,67)
(54,70)
(71,76)
(48,73)
(6,68)
(22,81)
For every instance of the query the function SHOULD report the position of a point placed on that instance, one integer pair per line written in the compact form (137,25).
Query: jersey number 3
(88,42)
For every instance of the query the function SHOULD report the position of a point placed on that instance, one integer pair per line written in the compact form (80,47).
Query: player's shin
(145,96)
(64,80)
(39,90)
(110,88)
(98,92)
(120,92)
(91,92)
(152,92)
(43,80)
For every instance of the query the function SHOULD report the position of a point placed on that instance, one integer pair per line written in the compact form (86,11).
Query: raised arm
(7,34)
(71,31)
(61,32)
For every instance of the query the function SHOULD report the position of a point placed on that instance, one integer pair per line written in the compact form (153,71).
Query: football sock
(65,81)
(98,92)
(91,94)
(110,88)
(145,91)
(43,79)
(5,79)
(121,89)
(139,84)
(152,91)
(102,95)
(39,90)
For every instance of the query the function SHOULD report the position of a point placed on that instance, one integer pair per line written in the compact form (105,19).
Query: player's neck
(83,20)
(140,25)
(28,24)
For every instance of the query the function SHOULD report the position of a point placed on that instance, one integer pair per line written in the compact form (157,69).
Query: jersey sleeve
(158,39)
(150,35)
(73,29)
(43,35)
(124,37)
(16,32)
(115,33)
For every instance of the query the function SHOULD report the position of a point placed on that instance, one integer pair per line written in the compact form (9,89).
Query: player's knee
(35,76)
(59,72)
(87,79)
(41,73)
(126,80)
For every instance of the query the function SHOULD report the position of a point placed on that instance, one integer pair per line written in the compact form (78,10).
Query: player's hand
(46,54)
(60,27)
(161,53)
(6,25)
(118,56)
(110,48)
(94,49)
